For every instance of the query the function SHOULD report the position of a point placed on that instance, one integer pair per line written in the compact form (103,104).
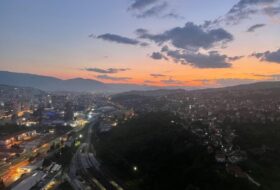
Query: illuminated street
(14,173)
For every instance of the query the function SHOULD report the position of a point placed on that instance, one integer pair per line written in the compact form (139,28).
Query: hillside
(54,84)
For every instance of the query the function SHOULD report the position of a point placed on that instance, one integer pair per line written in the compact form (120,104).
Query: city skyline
(152,42)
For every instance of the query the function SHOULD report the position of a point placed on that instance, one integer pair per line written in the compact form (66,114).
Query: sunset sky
(154,42)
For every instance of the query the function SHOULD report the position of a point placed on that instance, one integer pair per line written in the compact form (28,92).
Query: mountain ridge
(48,83)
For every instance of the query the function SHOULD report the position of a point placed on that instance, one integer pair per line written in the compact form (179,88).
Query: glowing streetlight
(135,168)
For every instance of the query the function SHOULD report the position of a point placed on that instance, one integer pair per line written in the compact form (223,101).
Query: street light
(135,168)
(80,136)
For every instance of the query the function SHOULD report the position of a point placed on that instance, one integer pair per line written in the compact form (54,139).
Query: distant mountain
(254,88)
(47,83)
(54,84)
(258,86)
(151,93)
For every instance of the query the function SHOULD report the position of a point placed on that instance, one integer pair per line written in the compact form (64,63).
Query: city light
(135,168)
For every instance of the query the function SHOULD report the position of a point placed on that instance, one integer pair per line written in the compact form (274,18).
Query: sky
(197,43)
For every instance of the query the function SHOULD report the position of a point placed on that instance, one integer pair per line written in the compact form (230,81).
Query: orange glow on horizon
(141,70)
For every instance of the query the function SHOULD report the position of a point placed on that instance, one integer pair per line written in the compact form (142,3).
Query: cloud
(156,75)
(107,77)
(149,81)
(245,4)
(211,59)
(144,44)
(170,81)
(107,71)
(189,42)
(165,49)
(119,39)
(203,81)
(158,56)
(141,4)
(269,56)
(152,8)
(147,8)
(234,58)
(153,11)
(190,37)
(244,9)
(141,32)
(274,77)
(173,15)
(234,81)
(255,27)
(272,11)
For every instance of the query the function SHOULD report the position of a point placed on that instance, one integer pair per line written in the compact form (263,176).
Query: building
(9,140)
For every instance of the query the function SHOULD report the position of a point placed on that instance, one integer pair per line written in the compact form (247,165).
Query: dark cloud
(158,56)
(244,9)
(255,27)
(157,75)
(275,77)
(270,56)
(259,75)
(272,11)
(144,44)
(165,49)
(149,81)
(234,58)
(91,36)
(189,40)
(141,4)
(152,8)
(153,11)
(107,71)
(141,31)
(170,81)
(148,8)
(190,36)
(203,81)
(107,77)
(210,60)
(244,4)
(173,15)
(120,39)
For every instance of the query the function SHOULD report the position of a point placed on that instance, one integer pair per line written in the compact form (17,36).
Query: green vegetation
(155,151)
(261,142)
(65,186)
(62,157)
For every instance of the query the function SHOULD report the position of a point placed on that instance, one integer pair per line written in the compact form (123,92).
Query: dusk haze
(140,94)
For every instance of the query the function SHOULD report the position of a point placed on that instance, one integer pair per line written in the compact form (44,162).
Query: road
(10,173)
(13,173)
(87,166)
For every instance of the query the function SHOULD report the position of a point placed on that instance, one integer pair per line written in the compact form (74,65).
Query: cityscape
(140,95)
